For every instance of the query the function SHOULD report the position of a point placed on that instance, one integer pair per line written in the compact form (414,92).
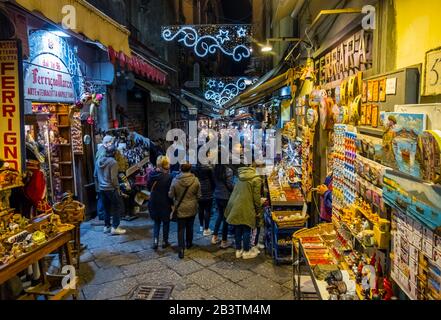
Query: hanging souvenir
(311,117)
(326,118)
(354,110)
(382,90)
(370,91)
(352,87)
(429,143)
(363,115)
(364,95)
(375,91)
(375,116)
(343,92)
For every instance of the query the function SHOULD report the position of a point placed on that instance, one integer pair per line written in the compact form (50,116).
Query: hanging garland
(222,90)
(231,40)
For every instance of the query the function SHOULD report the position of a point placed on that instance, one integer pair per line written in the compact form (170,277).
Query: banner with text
(10,115)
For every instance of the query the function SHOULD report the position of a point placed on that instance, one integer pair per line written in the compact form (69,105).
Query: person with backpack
(185,191)
(244,209)
(160,205)
(223,178)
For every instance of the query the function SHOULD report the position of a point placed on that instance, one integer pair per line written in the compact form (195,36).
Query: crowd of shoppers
(179,194)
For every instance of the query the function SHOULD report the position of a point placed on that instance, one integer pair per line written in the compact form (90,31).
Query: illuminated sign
(53,72)
(222,90)
(48,80)
(10,111)
(231,40)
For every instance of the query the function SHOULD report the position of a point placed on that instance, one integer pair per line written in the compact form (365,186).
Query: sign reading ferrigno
(10,121)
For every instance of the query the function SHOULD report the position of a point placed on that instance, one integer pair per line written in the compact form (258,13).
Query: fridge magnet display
(375,91)
(370,91)
(364,92)
(368,115)
(382,90)
(374,116)
(363,115)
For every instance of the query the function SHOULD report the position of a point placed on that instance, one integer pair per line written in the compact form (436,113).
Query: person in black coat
(160,205)
(205,174)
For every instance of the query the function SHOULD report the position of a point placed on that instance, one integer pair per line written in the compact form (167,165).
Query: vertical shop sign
(10,104)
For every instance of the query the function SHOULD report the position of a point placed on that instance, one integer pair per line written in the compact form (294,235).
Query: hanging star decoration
(230,40)
(223,36)
(211,83)
(241,32)
(225,89)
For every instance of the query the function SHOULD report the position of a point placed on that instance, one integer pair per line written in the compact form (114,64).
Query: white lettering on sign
(346,59)
(47,79)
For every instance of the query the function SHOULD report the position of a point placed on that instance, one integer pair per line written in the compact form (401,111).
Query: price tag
(432,73)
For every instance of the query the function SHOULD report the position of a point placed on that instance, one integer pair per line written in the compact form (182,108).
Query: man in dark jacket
(108,184)
(160,205)
(185,191)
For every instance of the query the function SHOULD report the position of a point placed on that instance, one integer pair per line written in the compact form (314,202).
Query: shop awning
(156,94)
(90,22)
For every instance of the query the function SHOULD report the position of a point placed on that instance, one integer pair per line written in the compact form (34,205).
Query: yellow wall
(418,30)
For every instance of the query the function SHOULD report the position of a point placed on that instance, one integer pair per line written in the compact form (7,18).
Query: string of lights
(222,90)
(231,40)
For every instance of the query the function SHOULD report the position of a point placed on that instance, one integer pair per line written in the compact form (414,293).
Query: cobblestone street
(113,267)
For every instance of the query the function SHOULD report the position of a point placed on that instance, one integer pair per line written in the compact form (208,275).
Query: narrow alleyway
(112,267)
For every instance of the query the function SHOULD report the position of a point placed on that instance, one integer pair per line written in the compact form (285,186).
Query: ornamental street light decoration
(231,40)
(222,90)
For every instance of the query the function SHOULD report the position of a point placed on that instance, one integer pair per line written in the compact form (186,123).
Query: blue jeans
(113,207)
(101,212)
(243,233)
(165,229)
(221,205)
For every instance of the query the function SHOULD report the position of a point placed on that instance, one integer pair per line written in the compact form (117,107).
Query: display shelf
(378,132)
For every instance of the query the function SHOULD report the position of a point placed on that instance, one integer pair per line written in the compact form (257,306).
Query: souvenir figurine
(388,293)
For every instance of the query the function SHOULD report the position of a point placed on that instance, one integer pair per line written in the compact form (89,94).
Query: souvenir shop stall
(133,157)
(383,154)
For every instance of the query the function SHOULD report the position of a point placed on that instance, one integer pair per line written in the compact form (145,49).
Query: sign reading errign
(346,59)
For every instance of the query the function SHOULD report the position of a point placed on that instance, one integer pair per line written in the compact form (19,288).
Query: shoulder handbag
(174,213)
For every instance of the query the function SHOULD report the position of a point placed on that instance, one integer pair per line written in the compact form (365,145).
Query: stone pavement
(112,267)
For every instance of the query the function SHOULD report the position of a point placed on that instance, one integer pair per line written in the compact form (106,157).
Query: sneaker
(225,245)
(201,229)
(255,249)
(215,240)
(107,229)
(239,254)
(118,231)
(250,254)
(261,246)
(207,233)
